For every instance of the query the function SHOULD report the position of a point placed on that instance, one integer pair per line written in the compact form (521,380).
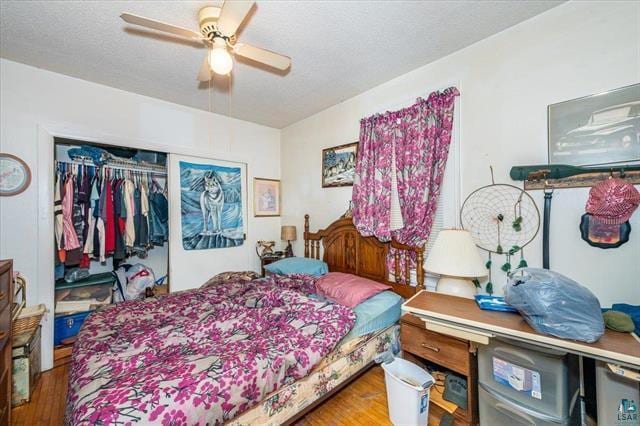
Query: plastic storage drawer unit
(539,380)
(67,326)
(497,410)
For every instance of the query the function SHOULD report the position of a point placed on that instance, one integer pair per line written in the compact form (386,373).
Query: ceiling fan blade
(263,56)
(205,70)
(232,14)
(160,26)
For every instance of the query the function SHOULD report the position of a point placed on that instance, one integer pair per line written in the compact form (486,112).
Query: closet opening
(111,231)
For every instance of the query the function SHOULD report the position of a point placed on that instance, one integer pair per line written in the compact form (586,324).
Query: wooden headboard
(345,250)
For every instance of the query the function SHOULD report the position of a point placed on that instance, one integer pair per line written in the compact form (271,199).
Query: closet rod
(157,170)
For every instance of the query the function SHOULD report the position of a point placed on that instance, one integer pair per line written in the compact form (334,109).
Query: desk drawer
(443,350)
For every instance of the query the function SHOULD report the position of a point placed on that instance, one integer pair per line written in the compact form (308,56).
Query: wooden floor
(48,400)
(363,402)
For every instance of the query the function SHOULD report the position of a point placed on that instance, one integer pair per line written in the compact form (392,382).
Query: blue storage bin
(66,326)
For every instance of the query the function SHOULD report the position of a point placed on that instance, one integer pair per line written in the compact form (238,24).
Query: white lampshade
(455,254)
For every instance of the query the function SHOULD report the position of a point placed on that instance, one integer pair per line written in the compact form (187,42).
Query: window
(448,212)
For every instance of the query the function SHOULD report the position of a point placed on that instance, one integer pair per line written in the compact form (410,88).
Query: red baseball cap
(613,201)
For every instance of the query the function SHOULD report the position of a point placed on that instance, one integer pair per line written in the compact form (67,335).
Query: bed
(241,352)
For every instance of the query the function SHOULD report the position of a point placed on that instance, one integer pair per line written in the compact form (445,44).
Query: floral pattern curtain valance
(418,139)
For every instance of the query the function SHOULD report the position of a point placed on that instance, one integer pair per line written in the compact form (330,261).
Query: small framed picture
(339,165)
(597,129)
(266,197)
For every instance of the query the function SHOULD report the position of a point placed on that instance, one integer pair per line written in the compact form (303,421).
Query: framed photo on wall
(597,129)
(266,197)
(339,165)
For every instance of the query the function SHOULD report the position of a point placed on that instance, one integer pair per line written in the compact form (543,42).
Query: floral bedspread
(200,356)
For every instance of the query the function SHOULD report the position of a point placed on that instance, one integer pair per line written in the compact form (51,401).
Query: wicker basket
(28,319)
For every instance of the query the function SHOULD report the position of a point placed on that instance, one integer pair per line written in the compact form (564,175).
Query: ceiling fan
(218,26)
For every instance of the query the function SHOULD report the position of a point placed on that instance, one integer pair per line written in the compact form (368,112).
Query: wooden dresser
(452,353)
(6,293)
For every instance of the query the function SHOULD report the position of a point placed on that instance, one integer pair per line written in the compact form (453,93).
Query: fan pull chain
(231,122)
(210,132)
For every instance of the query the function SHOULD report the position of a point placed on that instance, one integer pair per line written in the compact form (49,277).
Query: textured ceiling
(338,48)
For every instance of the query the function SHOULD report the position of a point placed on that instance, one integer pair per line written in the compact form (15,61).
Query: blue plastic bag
(554,304)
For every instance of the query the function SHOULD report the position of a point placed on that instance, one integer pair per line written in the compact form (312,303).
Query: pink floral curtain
(418,138)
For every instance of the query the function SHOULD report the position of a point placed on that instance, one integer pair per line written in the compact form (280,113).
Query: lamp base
(288,252)
(455,286)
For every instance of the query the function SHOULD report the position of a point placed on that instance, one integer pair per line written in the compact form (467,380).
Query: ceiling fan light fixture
(220,61)
(218,30)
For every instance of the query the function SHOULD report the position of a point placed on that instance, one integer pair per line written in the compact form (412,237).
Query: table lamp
(455,258)
(288,234)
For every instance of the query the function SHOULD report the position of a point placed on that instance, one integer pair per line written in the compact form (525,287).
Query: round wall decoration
(15,175)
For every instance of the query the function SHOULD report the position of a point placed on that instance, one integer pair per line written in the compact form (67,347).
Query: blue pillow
(298,265)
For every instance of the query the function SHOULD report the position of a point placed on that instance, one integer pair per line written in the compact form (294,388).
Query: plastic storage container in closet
(67,326)
(527,378)
(84,294)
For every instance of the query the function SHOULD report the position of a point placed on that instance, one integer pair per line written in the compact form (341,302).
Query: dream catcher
(502,219)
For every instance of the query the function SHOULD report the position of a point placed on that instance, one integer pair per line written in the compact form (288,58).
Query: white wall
(506,83)
(36,105)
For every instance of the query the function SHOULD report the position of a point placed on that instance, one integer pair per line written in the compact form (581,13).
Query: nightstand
(450,353)
(264,261)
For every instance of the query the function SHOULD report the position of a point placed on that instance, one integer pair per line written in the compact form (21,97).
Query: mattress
(346,360)
(376,313)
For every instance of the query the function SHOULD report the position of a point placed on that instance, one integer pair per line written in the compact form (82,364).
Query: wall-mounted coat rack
(549,177)
(559,176)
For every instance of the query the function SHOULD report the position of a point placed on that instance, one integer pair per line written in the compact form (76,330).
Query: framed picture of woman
(266,197)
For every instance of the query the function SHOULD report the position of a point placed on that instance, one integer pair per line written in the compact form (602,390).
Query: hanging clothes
(102,212)
(144,212)
(57,213)
(137,217)
(108,215)
(129,205)
(91,219)
(159,218)
(70,237)
(120,252)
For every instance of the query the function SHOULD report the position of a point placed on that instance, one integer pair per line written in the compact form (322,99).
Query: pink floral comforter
(201,356)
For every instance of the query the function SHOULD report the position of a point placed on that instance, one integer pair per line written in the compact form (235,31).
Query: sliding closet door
(207,219)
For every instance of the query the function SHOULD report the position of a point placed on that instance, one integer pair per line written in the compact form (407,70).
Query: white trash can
(407,392)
